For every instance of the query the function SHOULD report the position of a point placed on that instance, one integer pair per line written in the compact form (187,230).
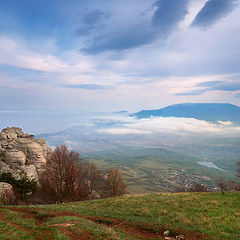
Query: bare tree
(222,185)
(66,179)
(60,180)
(238,170)
(114,183)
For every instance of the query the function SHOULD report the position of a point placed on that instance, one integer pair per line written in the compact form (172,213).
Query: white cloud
(228,123)
(130,125)
(123,131)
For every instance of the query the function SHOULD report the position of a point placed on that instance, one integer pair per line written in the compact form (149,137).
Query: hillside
(212,112)
(209,216)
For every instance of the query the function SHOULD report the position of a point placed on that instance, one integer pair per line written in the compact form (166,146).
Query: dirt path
(138,230)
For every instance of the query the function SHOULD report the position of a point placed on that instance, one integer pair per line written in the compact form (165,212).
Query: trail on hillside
(85,227)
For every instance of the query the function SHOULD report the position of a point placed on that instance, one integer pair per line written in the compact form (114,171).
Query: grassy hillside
(195,215)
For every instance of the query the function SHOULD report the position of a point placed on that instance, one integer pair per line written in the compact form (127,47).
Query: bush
(198,188)
(23,186)
(7,197)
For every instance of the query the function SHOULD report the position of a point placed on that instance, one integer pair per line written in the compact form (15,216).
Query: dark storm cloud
(213,11)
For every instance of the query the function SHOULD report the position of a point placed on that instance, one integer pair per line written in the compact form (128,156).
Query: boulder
(6,193)
(5,188)
(166,233)
(19,152)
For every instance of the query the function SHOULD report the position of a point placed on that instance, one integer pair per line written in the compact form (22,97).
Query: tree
(67,178)
(198,188)
(222,185)
(115,185)
(238,170)
(23,186)
(59,181)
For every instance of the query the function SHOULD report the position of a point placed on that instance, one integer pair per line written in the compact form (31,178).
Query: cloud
(168,14)
(212,86)
(176,125)
(165,18)
(86,86)
(192,93)
(228,123)
(213,11)
(123,131)
(91,21)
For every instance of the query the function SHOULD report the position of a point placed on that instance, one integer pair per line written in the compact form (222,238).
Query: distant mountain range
(212,112)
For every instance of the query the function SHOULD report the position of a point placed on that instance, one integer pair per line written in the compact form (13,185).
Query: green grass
(210,213)
(101,232)
(9,232)
(28,229)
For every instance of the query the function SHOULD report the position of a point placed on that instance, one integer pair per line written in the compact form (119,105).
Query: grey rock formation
(19,152)
(6,190)
(5,187)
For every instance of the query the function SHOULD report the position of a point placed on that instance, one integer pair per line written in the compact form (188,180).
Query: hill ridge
(212,112)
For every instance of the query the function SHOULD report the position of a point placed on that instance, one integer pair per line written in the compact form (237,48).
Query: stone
(19,152)
(6,193)
(5,188)
(14,157)
(166,233)
(180,237)
(170,238)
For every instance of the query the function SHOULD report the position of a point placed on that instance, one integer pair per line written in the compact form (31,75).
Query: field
(209,216)
(149,170)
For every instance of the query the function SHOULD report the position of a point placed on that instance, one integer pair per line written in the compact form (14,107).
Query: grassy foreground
(195,215)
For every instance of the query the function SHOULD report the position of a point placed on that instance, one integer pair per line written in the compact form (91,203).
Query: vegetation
(238,169)
(149,170)
(198,188)
(195,215)
(67,179)
(23,186)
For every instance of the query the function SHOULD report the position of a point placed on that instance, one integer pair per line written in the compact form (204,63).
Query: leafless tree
(222,185)
(60,180)
(115,184)
(66,179)
(238,170)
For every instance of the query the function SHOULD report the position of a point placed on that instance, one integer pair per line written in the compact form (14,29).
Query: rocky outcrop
(5,187)
(20,151)
(7,195)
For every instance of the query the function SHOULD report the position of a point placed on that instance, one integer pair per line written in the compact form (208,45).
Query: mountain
(212,112)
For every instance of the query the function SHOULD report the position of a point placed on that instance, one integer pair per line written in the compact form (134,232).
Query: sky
(111,55)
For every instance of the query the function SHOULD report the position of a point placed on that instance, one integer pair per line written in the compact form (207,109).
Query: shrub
(23,186)
(198,188)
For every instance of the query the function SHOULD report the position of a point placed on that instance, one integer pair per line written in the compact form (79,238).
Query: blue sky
(112,55)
